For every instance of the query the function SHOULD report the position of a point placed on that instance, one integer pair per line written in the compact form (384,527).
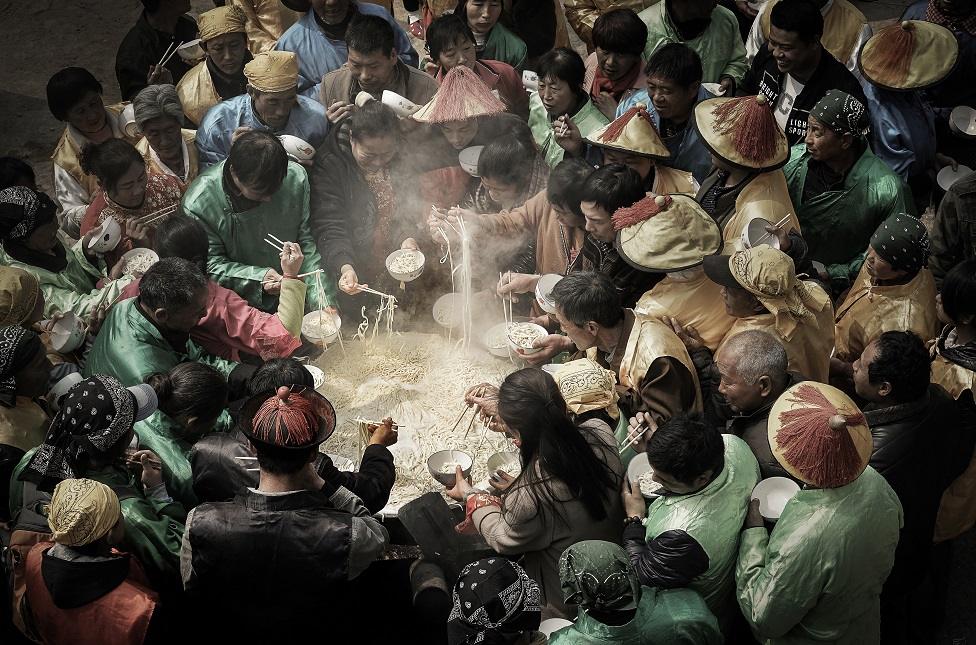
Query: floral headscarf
(598,575)
(902,242)
(842,113)
(495,602)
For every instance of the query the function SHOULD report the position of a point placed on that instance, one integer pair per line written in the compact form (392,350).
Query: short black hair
(279,372)
(13,170)
(446,30)
(959,291)
(170,284)
(586,296)
(563,64)
(259,161)
(612,187)
(903,361)
(282,461)
(110,160)
(180,236)
(620,30)
(685,447)
(566,182)
(368,34)
(509,158)
(801,17)
(676,62)
(373,120)
(67,87)
(190,390)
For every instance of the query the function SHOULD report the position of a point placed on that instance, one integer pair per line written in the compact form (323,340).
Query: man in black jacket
(793,70)
(918,449)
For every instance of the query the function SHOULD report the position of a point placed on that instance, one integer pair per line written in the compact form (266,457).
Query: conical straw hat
(743,132)
(462,95)
(663,233)
(910,55)
(629,134)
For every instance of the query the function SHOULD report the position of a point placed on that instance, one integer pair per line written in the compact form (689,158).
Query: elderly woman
(614,70)
(219,76)
(168,148)
(68,273)
(598,577)
(82,444)
(495,601)
(561,112)
(565,493)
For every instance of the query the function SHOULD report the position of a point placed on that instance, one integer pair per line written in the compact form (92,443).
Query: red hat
(291,417)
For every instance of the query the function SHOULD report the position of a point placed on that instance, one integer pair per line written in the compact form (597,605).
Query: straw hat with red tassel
(743,132)
(632,132)
(910,55)
(664,233)
(461,96)
(819,435)
(289,417)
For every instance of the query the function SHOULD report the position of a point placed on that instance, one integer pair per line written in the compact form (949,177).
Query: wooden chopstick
(634,439)
(378,423)
(274,246)
(777,225)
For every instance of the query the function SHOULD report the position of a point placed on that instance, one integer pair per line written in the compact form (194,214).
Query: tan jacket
(696,302)
(410,83)
(266,21)
(197,93)
(581,14)
(766,196)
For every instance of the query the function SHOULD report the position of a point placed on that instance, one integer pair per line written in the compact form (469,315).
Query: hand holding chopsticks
(772,230)
(158,72)
(638,427)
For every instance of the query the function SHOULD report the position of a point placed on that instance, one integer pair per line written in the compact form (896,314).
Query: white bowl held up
(947,176)
(405,276)
(543,291)
(68,333)
(106,236)
(298,149)
(962,122)
(468,158)
(773,494)
(441,460)
(752,234)
(191,51)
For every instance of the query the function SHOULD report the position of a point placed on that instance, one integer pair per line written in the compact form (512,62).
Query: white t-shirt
(791,89)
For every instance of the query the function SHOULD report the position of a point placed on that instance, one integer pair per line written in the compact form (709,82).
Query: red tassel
(285,420)
(893,60)
(825,456)
(613,131)
(643,210)
(750,122)
(461,94)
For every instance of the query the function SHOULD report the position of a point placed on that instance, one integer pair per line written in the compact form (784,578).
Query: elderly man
(840,190)
(271,104)
(691,531)
(161,26)
(794,70)
(247,201)
(820,580)
(320,40)
(167,148)
(220,76)
(372,66)
(708,28)
(324,538)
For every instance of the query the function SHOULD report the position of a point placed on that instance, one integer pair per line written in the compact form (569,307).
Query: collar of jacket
(893,414)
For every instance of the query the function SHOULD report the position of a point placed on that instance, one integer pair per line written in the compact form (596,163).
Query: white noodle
(406,263)
(523,334)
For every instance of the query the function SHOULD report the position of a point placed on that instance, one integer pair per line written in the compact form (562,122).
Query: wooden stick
(274,246)
(157,214)
(302,275)
(279,241)
(172,53)
(377,423)
(464,411)
(776,226)
(634,439)
(162,61)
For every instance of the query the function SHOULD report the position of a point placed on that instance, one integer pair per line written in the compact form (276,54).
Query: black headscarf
(18,347)
(495,602)
(23,211)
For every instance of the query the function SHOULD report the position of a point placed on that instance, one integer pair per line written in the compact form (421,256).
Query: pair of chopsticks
(378,423)
(373,291)
(300,275)
(776,226)
(149,218)
(507,298)
(280,246)
(170,51)
(635,438)
(151,462)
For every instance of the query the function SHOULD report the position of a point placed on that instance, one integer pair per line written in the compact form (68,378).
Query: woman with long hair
(565,493)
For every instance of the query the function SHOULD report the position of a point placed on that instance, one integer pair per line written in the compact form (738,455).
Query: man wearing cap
(840,190)
(761,290)
(220,76)
(303,538)
(319,40)
(271,103)
(818,576)
(80,589)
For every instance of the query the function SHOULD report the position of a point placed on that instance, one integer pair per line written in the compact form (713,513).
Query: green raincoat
(74,288)
(713,517)
(153,528)
(818,577)
(505,46)
(130,348)
(664,617)
(161,434)
(588,119)
(719,46)
(239,258)
(838,224)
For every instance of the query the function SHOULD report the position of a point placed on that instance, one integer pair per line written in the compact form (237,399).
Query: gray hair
(759,354)
(156,101)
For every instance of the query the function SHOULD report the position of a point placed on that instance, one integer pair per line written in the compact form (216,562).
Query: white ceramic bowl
(402,106)
(447,310)
(714,88)
(132,259)
(298,149)
(530,80)
(773,493)
(344,464)
(468,158)
(947,176)
(962,121)
(540,331)
(318,376)
(636,468)
(542,290)
(312,330)
(755,230)
(191,51)
(496,340)
(550,625)
(61,387)
(408,276)
(437,461)
(105,236)
(68,334)
(510,462)
(127,121)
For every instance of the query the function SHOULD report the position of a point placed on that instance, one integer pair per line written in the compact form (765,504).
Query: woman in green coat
(493,41)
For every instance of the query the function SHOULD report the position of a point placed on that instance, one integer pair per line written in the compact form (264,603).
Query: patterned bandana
(842,113)
(82,511)
(586,386)
(495,602)
(902,242)
(94,415)
(17,347)
(598,575)
(19,291)
(22,211)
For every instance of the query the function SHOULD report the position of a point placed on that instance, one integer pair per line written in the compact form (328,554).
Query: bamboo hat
(461,95)
(819,435)
(663,233)
(743,131)
(633,132)
(910,55)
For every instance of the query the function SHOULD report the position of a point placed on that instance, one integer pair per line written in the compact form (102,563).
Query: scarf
(94,415)
(953,23)
(902,242)
(82,511)
(598,575)
(842,113)
(19,291)
(18,347)
(23,211)
(614,88)
(495,602)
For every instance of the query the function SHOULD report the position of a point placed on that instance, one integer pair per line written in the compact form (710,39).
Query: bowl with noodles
(639,471)
(321,326)
(342,464)
(443,464)
(448,310)
(405,265)
(137,261)
(522,335)
(318,376)
(509,462)
(191,51)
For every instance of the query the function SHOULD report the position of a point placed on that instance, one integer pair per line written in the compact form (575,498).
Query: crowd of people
(758,277)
